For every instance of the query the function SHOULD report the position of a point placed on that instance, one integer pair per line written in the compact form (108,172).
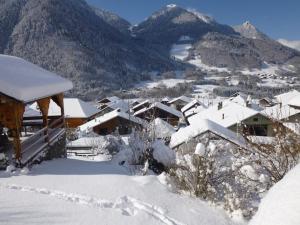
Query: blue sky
(277,18)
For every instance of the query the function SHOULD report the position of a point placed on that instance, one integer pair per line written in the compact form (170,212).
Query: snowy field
(169,83)
(77,191)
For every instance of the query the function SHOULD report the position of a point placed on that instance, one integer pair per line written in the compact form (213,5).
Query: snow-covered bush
(220,172)
(278,157)
(143,149)
(163,154)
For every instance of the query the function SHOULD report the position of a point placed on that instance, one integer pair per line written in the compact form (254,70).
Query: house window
(255,119)
(256,130)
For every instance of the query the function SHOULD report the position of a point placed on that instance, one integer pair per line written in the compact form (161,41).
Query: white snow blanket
(161,129)
(26,82)
(73,192)
(281,206)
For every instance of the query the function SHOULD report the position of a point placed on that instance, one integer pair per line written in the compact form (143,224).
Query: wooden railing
(41,140)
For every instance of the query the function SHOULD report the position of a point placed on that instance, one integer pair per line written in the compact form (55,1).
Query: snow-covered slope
(281,206)
(291,44)
(71,192)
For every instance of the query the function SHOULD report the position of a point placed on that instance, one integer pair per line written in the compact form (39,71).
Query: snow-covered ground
(198,62)
(180,51)
(76,191)
(269,69)
(281,206)
(169,83)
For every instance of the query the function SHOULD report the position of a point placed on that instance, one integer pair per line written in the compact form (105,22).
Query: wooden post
(44,108)
(11,116)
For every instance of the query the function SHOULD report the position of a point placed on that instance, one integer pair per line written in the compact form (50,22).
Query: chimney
(223,116)
(220,105)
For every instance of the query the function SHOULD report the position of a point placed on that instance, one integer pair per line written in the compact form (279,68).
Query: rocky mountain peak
(248,30)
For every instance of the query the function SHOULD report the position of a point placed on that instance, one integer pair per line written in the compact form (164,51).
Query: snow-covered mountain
(250,31)
(211,43)
(101,52)
(69,38)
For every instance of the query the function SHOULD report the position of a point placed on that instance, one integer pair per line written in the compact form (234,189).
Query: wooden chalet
(140,106)
(23,83)
(159,110)
(186,139)
(111,122)
(77,112)
(179,103)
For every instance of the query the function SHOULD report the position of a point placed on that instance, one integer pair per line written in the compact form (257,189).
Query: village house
(23,83)
(266,102)
(77,112)
(142,105)
(295,102)
(193,108)
(186,139)
(115,121)
(284,113)
(287,108)
(159,110)
(284,98)
(237,118)
(108,100)
(179,103)
(120,104)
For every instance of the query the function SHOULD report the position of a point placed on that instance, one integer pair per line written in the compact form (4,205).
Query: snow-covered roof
(286,97)
(295,101)
(190,105)
(109,116)
(110,99)
(182,98)
(162,107)
(27,82)
(74,108)
(230,114)
(201,127)
(120,104)
(165,99)
(161,128)
(141,104)
(281,112)
(194,110)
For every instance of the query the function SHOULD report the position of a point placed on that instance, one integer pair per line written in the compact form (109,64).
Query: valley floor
(80,191)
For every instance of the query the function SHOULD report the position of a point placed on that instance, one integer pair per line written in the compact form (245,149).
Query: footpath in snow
(76,191)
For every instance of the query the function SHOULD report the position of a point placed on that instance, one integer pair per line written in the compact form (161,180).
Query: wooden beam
(44,108)
(59,100)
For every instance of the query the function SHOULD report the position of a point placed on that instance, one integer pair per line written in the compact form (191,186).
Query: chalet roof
(182,98)
(281,112)
(295,101)
(140,104)
(110,99)
(120,104)
(190,105)
(74,108)
(186,134)
(162,107)
(109,116)
(230,114)
(27,82)
(286,97)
